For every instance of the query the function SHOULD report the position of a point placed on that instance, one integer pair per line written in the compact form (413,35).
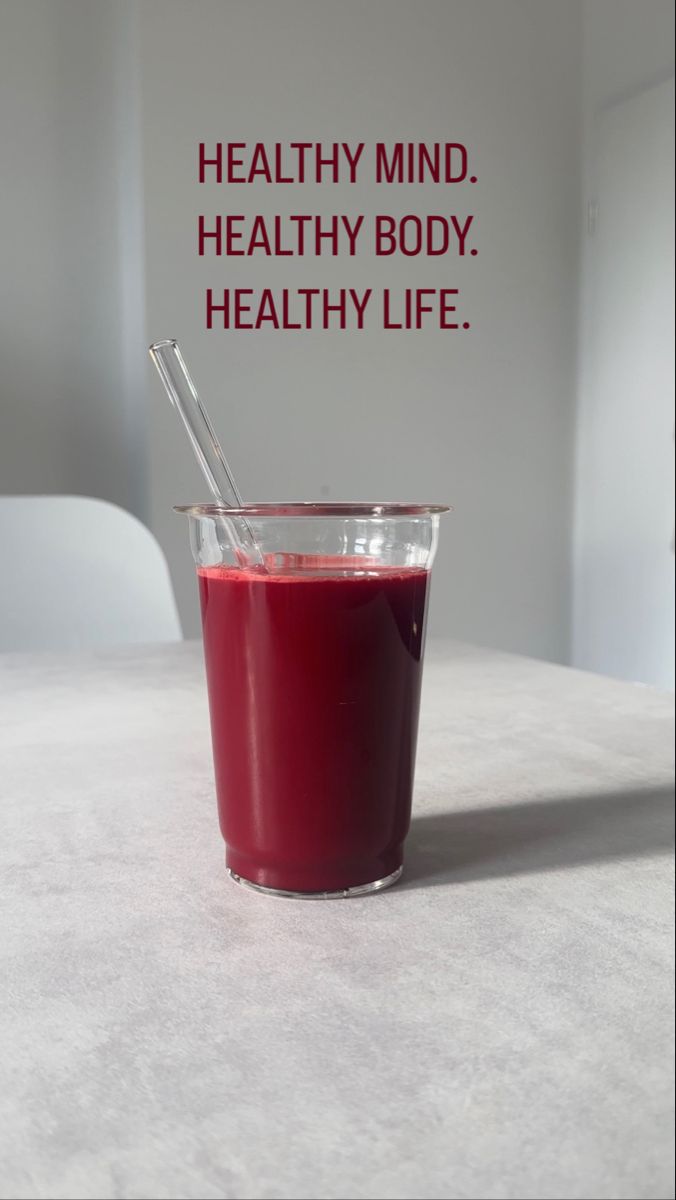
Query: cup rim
(312,508)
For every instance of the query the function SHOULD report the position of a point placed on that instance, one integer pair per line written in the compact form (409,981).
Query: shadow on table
(485,843)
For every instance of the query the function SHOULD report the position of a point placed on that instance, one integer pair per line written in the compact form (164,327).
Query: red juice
(314,692)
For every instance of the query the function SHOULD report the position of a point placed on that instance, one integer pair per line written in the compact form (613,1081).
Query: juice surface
(314,690)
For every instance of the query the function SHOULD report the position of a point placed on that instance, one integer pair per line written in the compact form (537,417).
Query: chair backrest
(78,573)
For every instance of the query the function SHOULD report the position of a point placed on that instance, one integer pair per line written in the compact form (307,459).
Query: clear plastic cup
(314,667)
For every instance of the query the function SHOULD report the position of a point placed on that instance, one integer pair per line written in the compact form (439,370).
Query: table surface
(497,1025)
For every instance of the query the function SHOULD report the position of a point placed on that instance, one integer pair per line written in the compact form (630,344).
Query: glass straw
(184,396)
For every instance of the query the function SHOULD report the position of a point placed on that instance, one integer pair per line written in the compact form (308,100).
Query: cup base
(361,889)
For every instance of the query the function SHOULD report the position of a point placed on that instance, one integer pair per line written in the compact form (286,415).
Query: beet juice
(314,689)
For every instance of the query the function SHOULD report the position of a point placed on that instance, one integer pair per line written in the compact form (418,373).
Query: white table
(498,1025)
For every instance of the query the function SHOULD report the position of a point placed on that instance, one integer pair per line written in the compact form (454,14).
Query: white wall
(72,384)
(623,612)
(626,46)
(482,420)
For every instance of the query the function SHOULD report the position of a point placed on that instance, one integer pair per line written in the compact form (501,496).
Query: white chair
(77,573)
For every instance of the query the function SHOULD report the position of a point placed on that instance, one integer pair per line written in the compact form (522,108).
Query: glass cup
(314,666)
